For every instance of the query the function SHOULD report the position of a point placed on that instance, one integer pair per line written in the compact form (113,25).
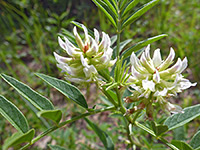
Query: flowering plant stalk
(149,82)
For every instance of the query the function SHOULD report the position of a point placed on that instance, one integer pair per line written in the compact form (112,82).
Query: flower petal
(168,61)
(89,71)
(96,35)
(157,60)
(78,38)
(156,76)
(146,84)
(184,65)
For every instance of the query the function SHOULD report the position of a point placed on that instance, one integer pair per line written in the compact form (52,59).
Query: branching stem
(65,123)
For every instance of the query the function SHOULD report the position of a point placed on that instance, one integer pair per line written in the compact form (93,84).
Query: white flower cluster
(87,58)
(156,79)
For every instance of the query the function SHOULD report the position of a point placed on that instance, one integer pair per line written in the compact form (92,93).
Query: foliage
(29,37)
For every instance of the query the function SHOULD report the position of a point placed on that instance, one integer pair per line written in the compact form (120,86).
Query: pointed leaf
(13,115)
(56,147)
(111,6)
(121,46)
(195,142)
(65,88)
(104,137)
(54,115)
(39,101)
(18,138)
(106,13)
(159,129)
(141,44)
(180,119)
(129,7)
(139,13)
(181,145)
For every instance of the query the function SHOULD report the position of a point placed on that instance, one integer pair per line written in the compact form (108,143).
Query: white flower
(156,79)
(84,62)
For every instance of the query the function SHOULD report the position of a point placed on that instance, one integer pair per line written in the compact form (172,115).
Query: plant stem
(64,123)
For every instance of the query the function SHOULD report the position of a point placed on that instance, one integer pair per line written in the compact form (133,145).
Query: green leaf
(159,129)
(181,145)
(112,7)
(18,138)
(179,133)
(195,142)
(39,101)
(104,137)
(106,13)
(54,115)
(56,147)
(65,88)
(121,46)
(145,128)
(142,44)
(13,115)
(129,7)
(113,39)
(139,13)
(180,119)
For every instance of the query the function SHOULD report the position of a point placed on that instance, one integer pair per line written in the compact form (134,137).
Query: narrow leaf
(121,46)
(18,138)
(39,101)
(129,7)
(65,88)
(181,145)
(141,44)
(54,115)
(111,6)
(195,142)
(139,13)
(56,147)
(180,119)
(104,137)
(106,13)
(13,115)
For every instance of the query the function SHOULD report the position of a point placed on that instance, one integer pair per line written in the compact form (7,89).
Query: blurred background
(28,38)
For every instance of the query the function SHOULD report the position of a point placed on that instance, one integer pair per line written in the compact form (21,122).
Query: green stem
(64,123)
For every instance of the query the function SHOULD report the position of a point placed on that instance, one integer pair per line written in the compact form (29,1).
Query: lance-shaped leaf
(54,115)
(129,7)
(121,46)
(195,142)
(56,147)
(181,145)
(65,88)
(180,119)
(141,44)
(106,13)
(111,5)
(104,137)
(13,115)
(39,101)
(18,138)
(139,13)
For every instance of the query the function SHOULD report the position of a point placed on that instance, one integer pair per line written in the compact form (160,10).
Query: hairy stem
(53,128)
